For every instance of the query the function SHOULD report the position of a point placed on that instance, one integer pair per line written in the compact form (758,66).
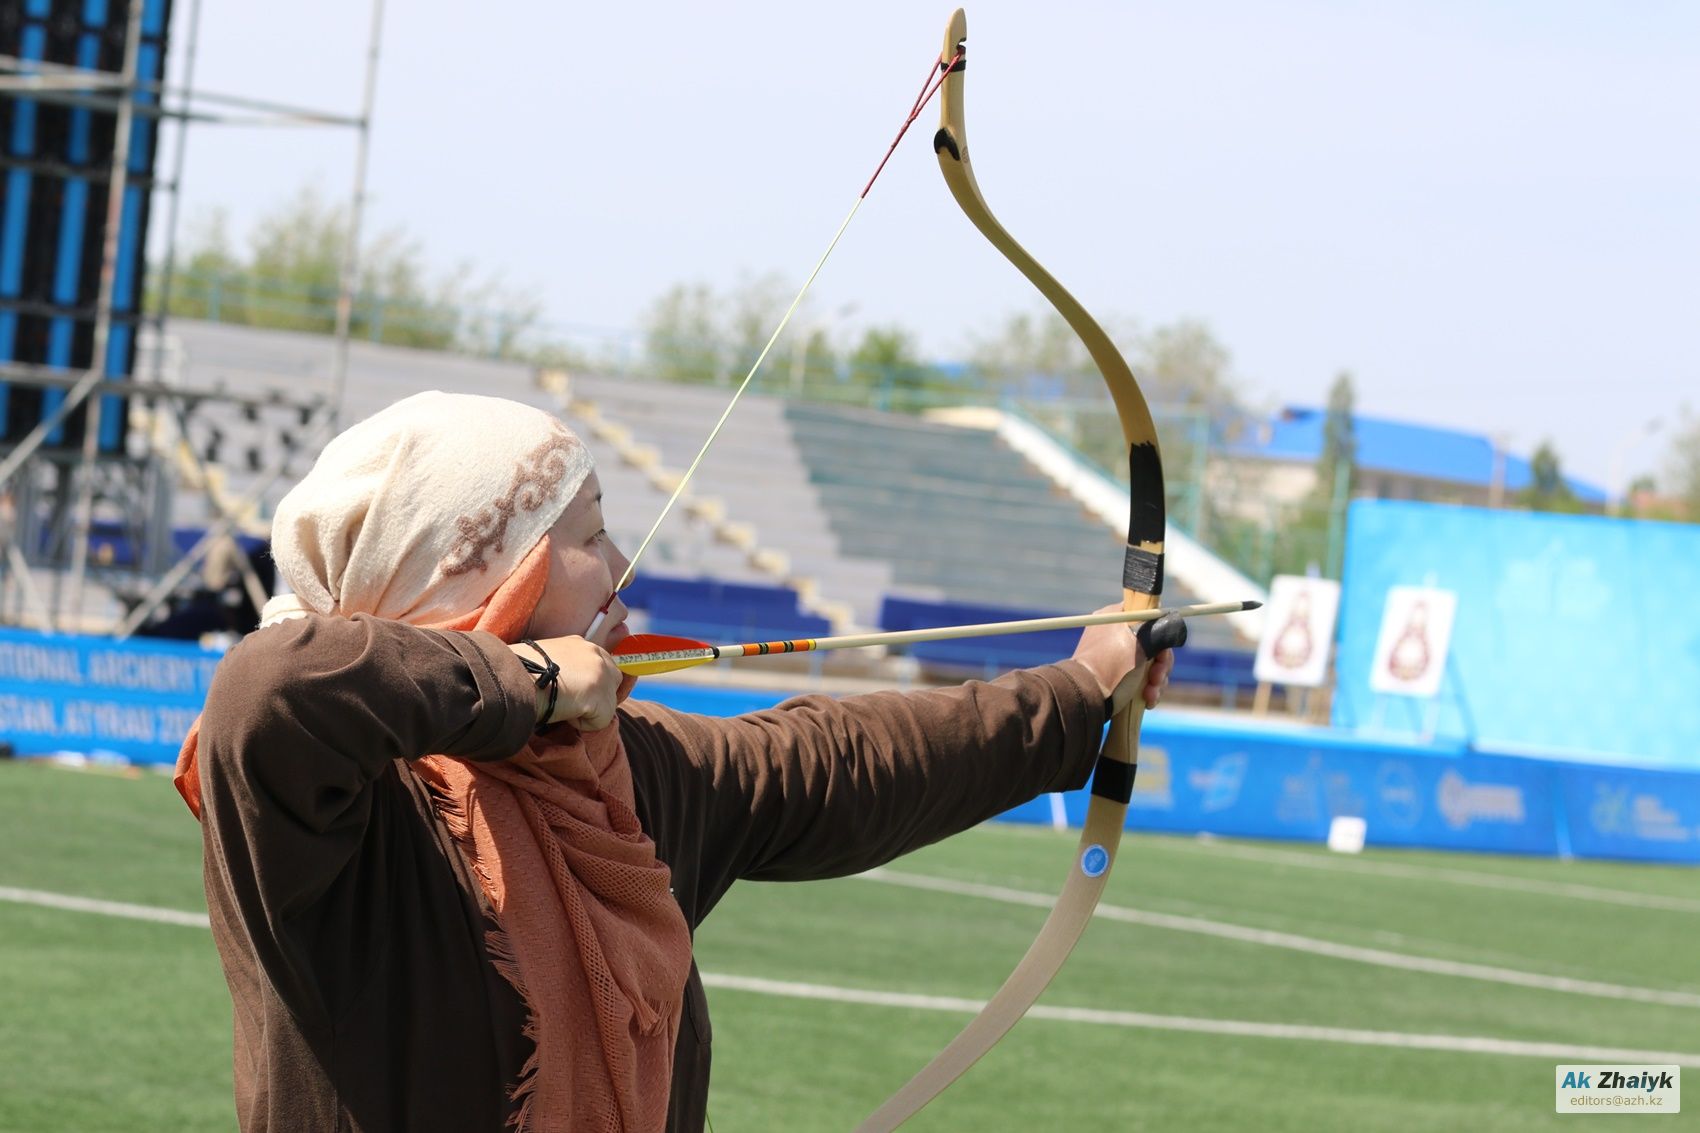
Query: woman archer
(453,868)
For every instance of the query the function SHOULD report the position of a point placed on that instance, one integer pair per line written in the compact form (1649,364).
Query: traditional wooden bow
(1142,583)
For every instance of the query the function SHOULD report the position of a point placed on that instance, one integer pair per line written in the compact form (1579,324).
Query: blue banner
(1548,606)
(1619,812)
(102,664)
(134,698)
(1196,776)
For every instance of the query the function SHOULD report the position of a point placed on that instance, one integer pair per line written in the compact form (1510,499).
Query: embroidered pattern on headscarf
(535,477)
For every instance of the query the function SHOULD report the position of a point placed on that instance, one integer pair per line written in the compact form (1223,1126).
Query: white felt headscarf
(420,511)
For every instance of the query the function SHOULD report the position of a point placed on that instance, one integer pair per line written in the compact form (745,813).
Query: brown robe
(353,936)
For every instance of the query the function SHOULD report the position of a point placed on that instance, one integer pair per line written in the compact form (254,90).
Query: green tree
(1339,439)
(1182,369)
(887,371)
(682,341)
(1547,490)
(1642,501)
(1682,468)
(752,311)
(209,276)
(1312,533)
(290,278)
(693,333)
(1182,364)
(1034,356)
(812,362)
(295,262)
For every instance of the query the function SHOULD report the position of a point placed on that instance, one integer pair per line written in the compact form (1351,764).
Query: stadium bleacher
(754,469)
(854,509)
(954,511)
(253,360)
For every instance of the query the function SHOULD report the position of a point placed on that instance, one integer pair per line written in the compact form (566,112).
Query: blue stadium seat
(988,655)
(728,621)
(645,589)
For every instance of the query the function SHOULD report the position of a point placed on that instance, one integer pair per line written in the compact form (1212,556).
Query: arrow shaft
(670,660)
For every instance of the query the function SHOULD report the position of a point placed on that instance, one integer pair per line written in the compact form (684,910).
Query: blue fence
(92,694)
(1203,775)
(1199,777)
(1620,812)
(1197,774)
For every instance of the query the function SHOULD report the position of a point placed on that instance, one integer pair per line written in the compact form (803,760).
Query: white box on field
(1346,834)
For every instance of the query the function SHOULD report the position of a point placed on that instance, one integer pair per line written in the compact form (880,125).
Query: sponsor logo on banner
(1620,811)
(1462,803)
(1598,1089)
(1314,793)
(1301,794)
(1153,785)
(1401,798)
(1220,785)
(1342,798)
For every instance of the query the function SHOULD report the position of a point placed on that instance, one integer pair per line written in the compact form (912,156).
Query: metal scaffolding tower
(97,518)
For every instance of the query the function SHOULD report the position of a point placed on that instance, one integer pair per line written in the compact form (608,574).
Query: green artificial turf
(109,1023)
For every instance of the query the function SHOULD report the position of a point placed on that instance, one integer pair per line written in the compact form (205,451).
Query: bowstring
(936,74)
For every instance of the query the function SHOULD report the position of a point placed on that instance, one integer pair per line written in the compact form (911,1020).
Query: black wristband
(547,674)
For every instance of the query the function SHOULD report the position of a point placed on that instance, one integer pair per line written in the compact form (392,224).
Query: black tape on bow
(1112,779)
(1142,571)
(1146,520)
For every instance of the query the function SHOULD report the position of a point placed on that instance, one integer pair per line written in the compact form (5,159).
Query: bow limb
(1142,583)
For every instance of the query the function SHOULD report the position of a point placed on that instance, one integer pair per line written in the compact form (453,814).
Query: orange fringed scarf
(587,929)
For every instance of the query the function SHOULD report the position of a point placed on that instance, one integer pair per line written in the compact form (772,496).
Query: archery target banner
(1298,631)
(1416,631)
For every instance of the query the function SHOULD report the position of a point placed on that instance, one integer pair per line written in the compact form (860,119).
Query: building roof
(1399,447)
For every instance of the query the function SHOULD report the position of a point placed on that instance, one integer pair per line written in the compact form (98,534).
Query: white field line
(1464,1043)
(1438,873)
(104,908)
(1296,943)
(1468,1044)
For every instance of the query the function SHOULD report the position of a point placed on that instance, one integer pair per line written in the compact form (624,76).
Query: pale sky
(1489,213)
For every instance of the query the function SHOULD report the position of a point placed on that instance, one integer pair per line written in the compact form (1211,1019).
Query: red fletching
(655,643)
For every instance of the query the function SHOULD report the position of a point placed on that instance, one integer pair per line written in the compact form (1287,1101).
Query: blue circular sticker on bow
(1094,861)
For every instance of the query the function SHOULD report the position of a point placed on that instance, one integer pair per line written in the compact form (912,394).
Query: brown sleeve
(822,787)
(303,716)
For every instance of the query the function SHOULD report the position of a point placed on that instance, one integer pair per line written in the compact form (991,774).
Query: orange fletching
(655,643)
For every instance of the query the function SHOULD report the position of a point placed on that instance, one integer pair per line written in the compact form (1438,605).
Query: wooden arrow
(646,654)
